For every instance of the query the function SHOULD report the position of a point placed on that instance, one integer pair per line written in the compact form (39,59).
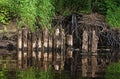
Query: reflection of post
(25,32)
(70,51)
(19,59)
(24,59)
(84,66)
(84,50)
(20,49)
(45,45)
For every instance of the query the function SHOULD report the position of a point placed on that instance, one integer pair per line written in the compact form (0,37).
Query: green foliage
(32,73)
(113,16)
(4,18)
(30,13)
(27,74)
(99,6)
(27,12)
(46,75)
(113,71)
(66,7)
(7,11)
(3,71)
(4,12)
(114,68)
(44,12)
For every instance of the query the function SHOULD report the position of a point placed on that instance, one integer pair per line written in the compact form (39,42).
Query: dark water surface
(108,67)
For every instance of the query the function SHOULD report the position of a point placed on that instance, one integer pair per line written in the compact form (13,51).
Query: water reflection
(103,65)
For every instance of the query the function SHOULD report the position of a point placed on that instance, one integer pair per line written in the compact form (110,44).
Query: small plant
(27,74)
(46,74)
(32,73)
(113,71)
(3,71)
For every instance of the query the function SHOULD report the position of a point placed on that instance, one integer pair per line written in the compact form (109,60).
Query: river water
(107,67)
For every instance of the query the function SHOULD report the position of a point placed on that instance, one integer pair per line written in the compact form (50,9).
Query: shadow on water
(107,67)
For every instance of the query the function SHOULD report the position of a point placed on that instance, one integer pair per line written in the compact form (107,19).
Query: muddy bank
(8,41)
(8,35)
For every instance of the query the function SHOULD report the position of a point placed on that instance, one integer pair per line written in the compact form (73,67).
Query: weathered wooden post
(20,39)
(94,53)
(85,41)
(50,49)
(45,45)
(56,61)
(94,42)
(19,49)
(39,48)
(90,40)
(84,50)
(34,49)
(62,35)
(29,54)
(25,47)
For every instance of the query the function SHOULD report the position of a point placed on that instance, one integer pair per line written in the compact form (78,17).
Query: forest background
(39,13)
